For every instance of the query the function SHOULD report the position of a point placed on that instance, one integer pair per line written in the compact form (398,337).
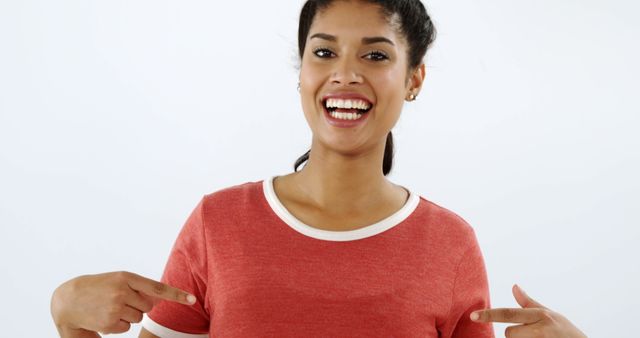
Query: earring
(298,86)
(412,97)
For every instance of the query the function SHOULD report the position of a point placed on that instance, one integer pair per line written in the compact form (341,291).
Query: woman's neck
(344,184)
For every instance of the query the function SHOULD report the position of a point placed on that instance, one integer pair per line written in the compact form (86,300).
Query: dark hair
(415,25)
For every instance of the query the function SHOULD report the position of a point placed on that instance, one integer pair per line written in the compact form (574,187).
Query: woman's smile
(353,78)
(346,110)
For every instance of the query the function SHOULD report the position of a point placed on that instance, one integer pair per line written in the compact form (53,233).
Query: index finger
(160,290)
(506,315)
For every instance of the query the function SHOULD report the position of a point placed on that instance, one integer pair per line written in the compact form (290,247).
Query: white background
(117,116)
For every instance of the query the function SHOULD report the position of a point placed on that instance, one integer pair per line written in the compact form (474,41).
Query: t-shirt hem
(165,332)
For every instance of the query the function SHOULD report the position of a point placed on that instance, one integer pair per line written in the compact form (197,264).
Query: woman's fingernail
(191,299)
(474,316)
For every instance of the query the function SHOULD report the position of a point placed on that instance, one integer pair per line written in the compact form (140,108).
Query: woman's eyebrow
(376,39)
(365,41)
(323,36)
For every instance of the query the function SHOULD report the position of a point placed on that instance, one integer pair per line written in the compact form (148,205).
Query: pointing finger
(140,301)
(505,315)
(159,290)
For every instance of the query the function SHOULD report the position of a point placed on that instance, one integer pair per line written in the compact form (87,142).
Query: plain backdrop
(116,117)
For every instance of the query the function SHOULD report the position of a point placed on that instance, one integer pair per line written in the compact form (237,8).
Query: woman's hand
(536,320)
(108,303)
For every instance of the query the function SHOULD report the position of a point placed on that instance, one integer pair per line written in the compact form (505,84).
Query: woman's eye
(322,52)
(377,56)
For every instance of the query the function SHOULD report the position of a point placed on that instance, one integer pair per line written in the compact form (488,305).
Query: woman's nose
(346,72)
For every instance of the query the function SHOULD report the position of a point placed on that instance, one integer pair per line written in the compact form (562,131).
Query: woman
(334,249)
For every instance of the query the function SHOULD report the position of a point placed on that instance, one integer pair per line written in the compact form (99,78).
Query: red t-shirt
(257,271)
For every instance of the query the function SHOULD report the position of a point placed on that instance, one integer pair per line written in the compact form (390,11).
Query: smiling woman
(332,250)
(368,34)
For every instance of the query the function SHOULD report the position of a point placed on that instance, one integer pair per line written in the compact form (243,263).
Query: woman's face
(354,60)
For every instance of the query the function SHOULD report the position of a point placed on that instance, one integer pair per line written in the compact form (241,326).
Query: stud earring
(298,86)
(412,97)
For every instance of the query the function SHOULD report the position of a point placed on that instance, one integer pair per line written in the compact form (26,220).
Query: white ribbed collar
(328,235)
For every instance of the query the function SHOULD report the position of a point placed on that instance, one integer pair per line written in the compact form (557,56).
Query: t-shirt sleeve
(470,293)
(186,269)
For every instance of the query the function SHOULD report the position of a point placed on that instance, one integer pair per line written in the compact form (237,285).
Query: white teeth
(345,116)
(347,104)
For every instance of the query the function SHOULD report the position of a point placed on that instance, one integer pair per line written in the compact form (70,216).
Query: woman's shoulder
(444,220)
(234,196)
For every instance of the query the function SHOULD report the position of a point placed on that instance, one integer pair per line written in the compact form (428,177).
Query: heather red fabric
(254,275)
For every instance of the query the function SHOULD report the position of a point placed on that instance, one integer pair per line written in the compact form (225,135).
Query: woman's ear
(414,83)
